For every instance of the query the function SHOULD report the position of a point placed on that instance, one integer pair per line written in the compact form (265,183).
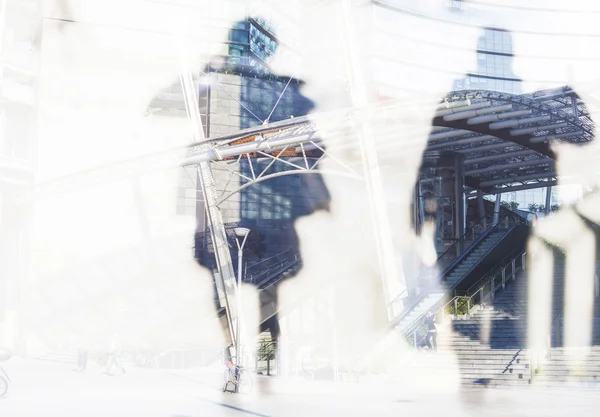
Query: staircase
(565,367)
(491,343)
(476,254)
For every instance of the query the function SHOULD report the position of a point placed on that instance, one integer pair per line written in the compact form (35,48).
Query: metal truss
(290,147)
(506,138)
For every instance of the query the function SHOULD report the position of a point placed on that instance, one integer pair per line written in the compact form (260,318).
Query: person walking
(113,356)
(82,357)
(431,331)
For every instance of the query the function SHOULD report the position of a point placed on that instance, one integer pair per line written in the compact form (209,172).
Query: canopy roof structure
(504,138)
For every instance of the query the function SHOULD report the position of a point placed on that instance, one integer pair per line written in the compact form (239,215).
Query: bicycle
(4,378)
(238,376)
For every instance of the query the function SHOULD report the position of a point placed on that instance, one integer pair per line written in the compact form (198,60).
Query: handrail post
(514,268)
(469,307)
(503,278)
(455,308)
(523,258)
(415,338)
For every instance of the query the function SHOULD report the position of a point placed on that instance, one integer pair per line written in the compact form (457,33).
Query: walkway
(43,389)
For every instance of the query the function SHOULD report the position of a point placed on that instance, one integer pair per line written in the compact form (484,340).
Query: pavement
(57,389)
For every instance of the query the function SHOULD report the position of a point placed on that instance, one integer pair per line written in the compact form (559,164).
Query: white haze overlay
(94,246)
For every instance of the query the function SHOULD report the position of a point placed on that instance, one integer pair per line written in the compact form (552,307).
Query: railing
(509,261)
(264,265)
(486,288)
(465,305)
(397,304)
(278,262)
(453,249)
(507,220)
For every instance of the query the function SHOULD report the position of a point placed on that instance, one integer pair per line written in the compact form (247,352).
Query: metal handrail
(255,278)
(447,270)
(461,238)
(479,222)
(455,300)
(487,232)
(262,261)
(495,269)
(283,266)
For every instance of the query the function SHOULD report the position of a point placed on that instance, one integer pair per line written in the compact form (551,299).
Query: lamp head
(241,231)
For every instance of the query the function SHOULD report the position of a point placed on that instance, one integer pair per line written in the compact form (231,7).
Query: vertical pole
(459,199)
(392,277)
(548,200)
(239,311)
(503,279)
(225,278)
(481,208)
(416,208)
(497,209)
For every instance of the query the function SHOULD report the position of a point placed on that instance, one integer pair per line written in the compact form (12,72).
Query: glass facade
(494,65)
(252,43)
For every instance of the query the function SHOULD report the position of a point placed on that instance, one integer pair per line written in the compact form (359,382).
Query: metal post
(497,209)
(503,279)
(239,311)
(416,208)
(225,278)
(481,208)
(523,259)
(514,268)
(548,196)
(455,307)
(459,194)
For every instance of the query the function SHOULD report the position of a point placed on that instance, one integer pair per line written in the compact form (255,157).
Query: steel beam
(462,109)
(510,180)
(497,117)
(539,161)
(535,129)
(214,154)
(499,156)
(467,141)
(518,122)
(544,138)
(474,113)
(450,134)
(488,147)
(522,187)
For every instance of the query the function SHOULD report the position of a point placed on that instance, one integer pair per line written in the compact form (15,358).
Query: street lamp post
(240,233)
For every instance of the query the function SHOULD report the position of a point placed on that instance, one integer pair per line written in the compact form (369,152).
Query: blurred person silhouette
(431,338)
(114,351)
(82,357)
(265,97)
(494,72)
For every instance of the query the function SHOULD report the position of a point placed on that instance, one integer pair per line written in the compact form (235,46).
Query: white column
(497,209)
